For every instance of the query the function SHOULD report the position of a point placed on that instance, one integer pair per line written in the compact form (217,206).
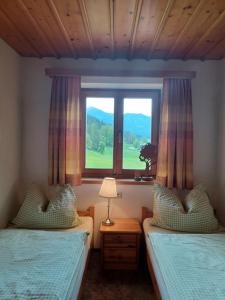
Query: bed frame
(147,213)
(90,212)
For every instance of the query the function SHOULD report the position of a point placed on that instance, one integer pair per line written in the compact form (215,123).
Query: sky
(135,106)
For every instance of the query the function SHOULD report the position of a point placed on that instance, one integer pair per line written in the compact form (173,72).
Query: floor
(116,285)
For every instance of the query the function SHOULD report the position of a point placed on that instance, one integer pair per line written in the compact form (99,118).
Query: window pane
(99,133)
(137,116)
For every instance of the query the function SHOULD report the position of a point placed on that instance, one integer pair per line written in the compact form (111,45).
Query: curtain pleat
(175,156)
(64,132)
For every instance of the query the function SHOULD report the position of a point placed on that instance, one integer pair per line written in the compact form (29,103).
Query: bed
(45,264)
(183,265)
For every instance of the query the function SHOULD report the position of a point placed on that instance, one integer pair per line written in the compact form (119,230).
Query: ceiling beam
(18,31)
(87,26)
(61,26)
(182,33)
(134,27)
(135,73)
(32,20)
(111,10)
(204,35)
(161,26)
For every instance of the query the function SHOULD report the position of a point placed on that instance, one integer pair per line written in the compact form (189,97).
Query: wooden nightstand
(120,244)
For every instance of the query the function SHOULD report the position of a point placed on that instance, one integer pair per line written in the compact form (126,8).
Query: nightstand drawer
(120,244)
(120,255)
(120,241)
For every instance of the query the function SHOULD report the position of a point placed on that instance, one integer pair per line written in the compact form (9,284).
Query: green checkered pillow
(60,212)
(195,215)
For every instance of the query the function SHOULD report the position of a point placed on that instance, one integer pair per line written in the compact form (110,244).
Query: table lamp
(108,190)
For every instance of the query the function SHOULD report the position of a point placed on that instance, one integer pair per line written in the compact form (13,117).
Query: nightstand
(120,244)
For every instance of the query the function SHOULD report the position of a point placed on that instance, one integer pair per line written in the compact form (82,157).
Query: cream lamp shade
(108,188)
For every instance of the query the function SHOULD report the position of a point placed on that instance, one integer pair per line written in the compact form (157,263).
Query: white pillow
(194,215)
(60,211)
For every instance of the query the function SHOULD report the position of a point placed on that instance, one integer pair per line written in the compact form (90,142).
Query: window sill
(118,181)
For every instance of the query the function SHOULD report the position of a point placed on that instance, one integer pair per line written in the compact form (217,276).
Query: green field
(97,160)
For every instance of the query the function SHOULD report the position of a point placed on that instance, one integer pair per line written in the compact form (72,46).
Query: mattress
(160,281)
(28,250)
(187,266)
(149,228)
(86,225)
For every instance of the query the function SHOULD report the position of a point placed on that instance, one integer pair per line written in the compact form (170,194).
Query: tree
(101,147)
(99,135)
(148,154)
(88,142)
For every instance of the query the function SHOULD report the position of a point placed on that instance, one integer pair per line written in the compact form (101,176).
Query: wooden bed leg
(145,213)
(92,212)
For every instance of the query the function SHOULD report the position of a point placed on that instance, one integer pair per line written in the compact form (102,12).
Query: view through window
(99,133)
(117,125)
(136,130)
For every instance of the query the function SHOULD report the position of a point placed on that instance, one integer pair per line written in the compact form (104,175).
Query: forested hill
(137,124)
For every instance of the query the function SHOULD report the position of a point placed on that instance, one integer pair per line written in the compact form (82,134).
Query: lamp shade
(108,188)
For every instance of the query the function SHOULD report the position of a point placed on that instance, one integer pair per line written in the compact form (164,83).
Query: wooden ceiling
(149,29)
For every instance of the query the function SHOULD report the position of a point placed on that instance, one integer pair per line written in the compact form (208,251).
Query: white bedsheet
(187,266)
(149,228)
(79,265)
(87,225)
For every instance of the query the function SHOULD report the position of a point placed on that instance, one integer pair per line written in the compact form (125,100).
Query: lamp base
(107,222)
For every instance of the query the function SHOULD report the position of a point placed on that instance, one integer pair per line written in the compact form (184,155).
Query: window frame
(118,95)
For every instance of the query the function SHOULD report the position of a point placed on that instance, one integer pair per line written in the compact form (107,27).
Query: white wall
(10,137)
(207,93)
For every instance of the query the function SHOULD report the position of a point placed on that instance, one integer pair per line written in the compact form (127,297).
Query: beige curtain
(175,157)
(64,132)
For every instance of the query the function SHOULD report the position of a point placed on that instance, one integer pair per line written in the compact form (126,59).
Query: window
(115,124)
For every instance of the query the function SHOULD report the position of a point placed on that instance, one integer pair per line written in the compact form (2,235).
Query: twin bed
(183,265)
(50,264)
(45,264)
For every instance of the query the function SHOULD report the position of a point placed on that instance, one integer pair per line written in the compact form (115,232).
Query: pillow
(196,215)
(60,212)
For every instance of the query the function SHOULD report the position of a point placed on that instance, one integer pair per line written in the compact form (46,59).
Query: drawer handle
(115,256)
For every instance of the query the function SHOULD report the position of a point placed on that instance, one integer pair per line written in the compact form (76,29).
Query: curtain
(64,131)
(175,156)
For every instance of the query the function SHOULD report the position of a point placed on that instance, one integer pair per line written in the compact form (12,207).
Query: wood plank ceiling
(149,29)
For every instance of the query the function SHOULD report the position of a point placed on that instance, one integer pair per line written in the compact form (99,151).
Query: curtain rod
(54,72)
